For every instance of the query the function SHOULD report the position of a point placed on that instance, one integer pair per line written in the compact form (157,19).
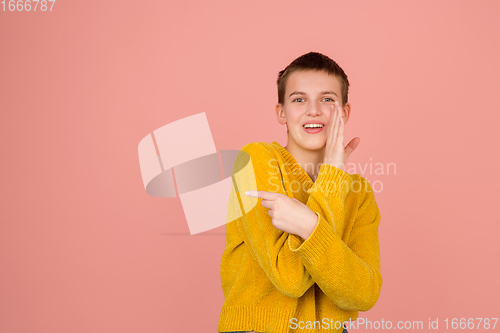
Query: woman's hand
(335,153)
(289,214)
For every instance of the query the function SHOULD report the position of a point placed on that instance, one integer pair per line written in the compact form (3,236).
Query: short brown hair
(313,61)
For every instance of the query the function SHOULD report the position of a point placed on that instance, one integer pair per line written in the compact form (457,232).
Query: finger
(336,129)
(262,194)
(340,135)
(331,125)
(351,146)
(267,204)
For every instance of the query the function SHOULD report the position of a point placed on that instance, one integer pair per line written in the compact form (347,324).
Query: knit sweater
(276,282)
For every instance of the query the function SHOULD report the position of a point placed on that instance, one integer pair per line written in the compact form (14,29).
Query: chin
(316,144)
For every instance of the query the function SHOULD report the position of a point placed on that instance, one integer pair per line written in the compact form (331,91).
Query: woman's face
(309,96)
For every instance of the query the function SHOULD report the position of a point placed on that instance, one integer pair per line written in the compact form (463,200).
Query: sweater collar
(295,167)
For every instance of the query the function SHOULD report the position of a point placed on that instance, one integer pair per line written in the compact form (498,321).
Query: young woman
(302,250)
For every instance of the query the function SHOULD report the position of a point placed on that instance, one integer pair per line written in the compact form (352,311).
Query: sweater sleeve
(349,274)
(266,244)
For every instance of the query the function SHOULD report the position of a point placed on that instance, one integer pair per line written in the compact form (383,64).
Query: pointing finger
(262,194)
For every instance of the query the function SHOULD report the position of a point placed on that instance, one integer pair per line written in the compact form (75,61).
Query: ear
(346,112)
(280,114)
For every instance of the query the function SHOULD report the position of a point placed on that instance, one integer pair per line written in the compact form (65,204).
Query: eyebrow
(321,93)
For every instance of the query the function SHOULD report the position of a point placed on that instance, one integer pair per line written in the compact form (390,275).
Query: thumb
(351,146)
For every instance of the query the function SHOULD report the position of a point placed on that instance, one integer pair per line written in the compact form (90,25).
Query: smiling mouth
(314,127)
(313,130)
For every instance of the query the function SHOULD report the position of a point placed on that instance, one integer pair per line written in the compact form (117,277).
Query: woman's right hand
(335,153)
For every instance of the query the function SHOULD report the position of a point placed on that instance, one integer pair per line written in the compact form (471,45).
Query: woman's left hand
(288,214)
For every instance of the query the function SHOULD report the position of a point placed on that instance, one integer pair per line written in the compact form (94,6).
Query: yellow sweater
(275,282)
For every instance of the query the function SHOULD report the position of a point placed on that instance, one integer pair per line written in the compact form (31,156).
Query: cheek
(329,116)
(296,108)
(294,114)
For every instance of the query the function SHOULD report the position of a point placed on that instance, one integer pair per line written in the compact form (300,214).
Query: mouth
(313,128)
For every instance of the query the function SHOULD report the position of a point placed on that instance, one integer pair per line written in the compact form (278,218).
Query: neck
(309,160)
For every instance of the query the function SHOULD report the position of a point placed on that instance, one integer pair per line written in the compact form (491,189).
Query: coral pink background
(83,247)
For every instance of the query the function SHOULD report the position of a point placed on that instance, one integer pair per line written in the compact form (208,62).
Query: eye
(330,99)
(297,99)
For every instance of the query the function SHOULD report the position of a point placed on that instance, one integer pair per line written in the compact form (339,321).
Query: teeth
(313,125)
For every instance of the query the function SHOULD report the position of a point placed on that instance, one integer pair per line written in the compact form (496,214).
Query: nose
(314,109)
